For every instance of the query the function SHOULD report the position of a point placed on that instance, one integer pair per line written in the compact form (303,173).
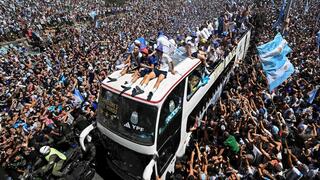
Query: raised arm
(191,161)
(264,152)
(198,151)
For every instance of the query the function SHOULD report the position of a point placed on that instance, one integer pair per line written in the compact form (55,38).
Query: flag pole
(286,15)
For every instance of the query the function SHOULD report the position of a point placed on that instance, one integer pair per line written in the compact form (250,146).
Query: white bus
(143,138)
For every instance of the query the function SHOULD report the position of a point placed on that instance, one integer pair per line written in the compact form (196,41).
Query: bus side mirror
(149,169)
(84,134)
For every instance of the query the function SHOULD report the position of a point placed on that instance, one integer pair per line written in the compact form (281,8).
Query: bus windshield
(129,119)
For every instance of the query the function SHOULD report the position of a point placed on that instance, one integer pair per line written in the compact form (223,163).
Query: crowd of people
(20,17)
(50,81)
(253,133)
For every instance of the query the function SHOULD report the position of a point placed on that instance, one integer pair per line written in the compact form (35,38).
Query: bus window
(129,119)
(169,126)
(171,109)
(194,81)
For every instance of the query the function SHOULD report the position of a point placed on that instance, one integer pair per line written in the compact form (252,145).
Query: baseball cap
(145,51)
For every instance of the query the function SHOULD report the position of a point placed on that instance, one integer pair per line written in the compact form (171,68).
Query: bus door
(169,129)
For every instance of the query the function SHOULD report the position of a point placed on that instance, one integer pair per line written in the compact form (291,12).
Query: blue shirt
(153,60)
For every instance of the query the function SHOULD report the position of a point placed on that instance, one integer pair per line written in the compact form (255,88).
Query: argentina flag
(275,64)
(77,96)
(313,94)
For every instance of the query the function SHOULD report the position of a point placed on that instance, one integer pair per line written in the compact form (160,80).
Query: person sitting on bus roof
(146,66)
(191,44)
(131,64)
(163,64)
(192,52)
(201,54)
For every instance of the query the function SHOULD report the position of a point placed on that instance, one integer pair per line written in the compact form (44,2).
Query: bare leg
(135,77)
(159,80)
(149,77)
(136,73)
(202,58)
(124,71)
(144,79)
(144,82)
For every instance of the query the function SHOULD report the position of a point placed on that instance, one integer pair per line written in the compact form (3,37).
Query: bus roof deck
(182,65)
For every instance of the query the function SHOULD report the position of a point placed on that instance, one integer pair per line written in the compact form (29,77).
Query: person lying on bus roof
(131,64)
(146,66)
(163,64)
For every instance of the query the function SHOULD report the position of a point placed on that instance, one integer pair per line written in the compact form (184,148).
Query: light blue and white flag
(78,97)
(275,64)
(93,14)
(97,25)
(272,52)
(313,94)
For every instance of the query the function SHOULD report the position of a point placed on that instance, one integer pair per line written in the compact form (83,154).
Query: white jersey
(164,64)
(205,34)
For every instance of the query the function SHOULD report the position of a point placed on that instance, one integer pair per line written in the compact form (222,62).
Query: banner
(275,64)
(313,94)
(78,97)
